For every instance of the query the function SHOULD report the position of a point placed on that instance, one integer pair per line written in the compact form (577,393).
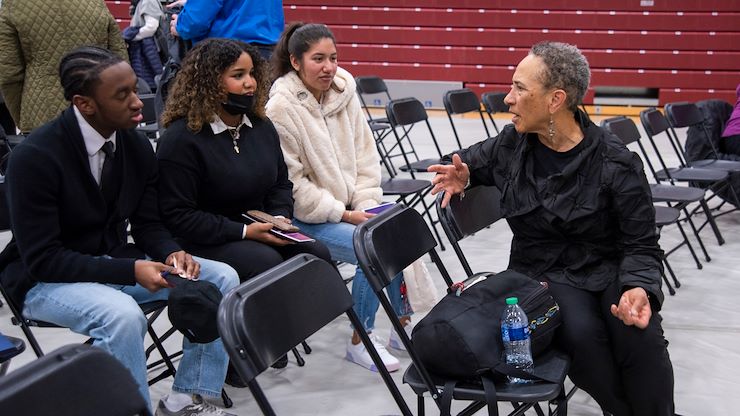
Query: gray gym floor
(701,321)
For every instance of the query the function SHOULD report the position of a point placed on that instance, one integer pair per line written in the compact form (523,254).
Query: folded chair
(678,197)
(494,103)
(388,243)
(714,180)
(263,318)
(463,101)
(74,380)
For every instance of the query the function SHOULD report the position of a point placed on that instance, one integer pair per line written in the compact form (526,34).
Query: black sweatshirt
(205,185)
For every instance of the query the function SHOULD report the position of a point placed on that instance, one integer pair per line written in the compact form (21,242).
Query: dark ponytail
(297,38)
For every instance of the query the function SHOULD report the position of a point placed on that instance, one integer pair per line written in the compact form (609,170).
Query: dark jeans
(627,370)
(250,258)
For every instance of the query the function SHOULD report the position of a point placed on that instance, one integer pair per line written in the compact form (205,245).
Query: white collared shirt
(218,126)
(94,142)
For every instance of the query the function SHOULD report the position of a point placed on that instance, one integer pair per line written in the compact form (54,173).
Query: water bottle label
(519,333)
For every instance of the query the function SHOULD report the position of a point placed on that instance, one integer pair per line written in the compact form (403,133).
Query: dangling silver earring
(551,129)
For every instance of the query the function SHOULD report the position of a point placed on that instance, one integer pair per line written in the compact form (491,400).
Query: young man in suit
(73,186)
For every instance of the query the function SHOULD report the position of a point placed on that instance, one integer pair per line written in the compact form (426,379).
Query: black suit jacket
(61,225)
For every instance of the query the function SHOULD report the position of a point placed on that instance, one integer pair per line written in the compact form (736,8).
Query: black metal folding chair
(74,380)
(714,180)
(388,243)
(372,85)
(493,102)
(405,114)
(257,327)
(684,114)
(678,197)
(463,101)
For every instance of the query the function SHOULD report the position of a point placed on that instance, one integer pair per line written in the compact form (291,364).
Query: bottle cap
(512,301)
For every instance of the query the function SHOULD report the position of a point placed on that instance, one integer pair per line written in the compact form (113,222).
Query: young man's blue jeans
(110,314)
(338,238)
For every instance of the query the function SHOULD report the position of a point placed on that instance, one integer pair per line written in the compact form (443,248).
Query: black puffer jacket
(585,227)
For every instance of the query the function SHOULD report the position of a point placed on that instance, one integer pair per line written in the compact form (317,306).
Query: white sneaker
(394,341)
(358,354)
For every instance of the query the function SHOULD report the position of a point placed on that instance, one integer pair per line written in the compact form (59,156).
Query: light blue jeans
(338,238)
(110,315)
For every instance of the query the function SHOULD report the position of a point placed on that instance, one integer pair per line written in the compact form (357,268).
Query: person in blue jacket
(257,22)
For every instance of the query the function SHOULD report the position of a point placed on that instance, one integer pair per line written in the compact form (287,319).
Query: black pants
(627,370)
(250,258)
(731,144)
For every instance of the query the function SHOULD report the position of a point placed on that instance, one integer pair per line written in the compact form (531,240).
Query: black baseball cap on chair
(193,308)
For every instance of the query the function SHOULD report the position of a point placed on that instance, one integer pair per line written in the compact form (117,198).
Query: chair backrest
(626,130)
(683,114)
(622,127)
(494,102)
(368,85)
(148,111)
(405,111)
(460,102)
(74,380)
(272,313)
(388,243)
(461,218)
(655,123)
(262,319)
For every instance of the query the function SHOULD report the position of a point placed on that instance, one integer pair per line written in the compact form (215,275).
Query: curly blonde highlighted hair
(198,90)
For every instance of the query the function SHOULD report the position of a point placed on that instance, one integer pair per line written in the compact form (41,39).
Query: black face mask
(237,105)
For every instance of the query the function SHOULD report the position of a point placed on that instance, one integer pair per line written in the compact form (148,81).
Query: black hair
(79,70)
(296,39)
(198,90)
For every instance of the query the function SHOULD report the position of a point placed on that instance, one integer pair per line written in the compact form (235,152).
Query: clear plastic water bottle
(515,334)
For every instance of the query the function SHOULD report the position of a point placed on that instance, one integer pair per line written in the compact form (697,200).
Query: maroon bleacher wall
(684,49)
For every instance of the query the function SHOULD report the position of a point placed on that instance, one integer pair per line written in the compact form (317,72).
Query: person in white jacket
(332,162)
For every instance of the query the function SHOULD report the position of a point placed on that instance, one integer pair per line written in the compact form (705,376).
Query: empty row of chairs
(682,202)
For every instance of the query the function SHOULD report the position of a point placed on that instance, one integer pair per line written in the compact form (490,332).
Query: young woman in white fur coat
(332,162)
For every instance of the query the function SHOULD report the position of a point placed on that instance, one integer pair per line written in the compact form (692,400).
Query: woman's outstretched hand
(451,179)
(634,308)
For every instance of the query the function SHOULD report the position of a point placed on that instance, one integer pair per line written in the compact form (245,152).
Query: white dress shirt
(94,142)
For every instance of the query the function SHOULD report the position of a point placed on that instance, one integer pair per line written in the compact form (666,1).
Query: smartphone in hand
(291,234)
(379,208)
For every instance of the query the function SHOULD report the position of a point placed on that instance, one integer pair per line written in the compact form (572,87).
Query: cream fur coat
(328,147)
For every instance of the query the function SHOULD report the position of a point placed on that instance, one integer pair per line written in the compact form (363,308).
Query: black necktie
(107,176)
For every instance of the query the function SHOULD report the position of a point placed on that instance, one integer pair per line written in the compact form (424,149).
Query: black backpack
(461,336)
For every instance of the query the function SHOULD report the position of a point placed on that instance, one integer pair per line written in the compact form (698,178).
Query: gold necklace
(234,137)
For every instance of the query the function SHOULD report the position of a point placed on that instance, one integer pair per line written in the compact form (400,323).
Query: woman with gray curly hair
(580,209)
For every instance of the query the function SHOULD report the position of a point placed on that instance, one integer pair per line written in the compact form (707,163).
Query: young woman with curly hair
(220,156)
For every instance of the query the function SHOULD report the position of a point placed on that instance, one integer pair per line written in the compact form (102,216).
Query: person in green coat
(34,35)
